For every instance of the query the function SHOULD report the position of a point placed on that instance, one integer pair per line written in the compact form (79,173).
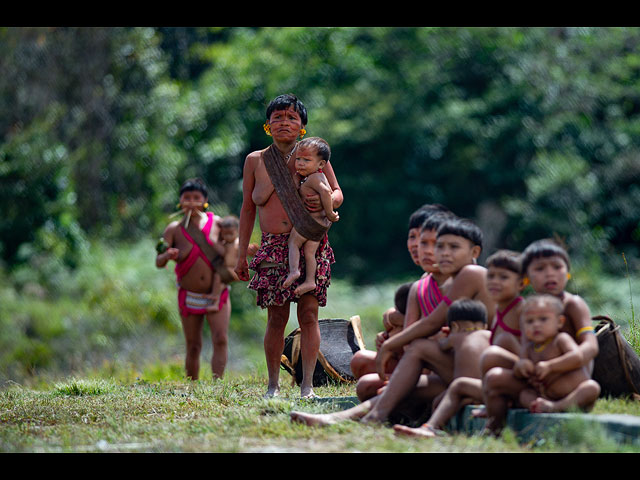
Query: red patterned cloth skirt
(267,281)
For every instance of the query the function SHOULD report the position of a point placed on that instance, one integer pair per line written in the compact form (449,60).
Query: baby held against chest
(312,154)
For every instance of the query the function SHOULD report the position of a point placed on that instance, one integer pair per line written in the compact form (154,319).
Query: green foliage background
(531,132)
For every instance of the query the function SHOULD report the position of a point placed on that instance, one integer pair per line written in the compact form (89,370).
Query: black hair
(546,300)
(433,222)
(318,144)
(230,221)
(194,185)
(506,259)
(466,309)
(462,227)
(418,217)
(283,102)
(401,297)
(543,249)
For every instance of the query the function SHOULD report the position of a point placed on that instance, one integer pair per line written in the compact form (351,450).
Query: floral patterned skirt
(267,281)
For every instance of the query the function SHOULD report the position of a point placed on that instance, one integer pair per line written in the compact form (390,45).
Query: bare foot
(424,431)
(480,412)
(372,418)
(292,277)
(304,288)
(542,405)
(307,392)
(313,419)
(272,392)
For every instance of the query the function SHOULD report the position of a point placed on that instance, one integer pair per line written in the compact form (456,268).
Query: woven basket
(339,340)
(617,366)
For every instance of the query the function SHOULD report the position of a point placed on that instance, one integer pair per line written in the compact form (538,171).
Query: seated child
(554,384)
(545,265)
(229,240)
(311,156)
(467,338)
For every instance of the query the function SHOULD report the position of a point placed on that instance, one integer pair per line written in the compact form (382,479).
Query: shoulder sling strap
(216,260)
(284,187)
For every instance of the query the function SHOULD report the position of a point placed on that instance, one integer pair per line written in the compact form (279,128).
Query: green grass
(228,416)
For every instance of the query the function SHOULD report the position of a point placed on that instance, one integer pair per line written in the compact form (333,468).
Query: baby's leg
(461,392)
(295,242)
(583,397)
(216,290)
(500,386)
(309,283)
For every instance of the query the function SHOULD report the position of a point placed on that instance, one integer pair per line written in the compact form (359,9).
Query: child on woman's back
(554,383)
(311,156)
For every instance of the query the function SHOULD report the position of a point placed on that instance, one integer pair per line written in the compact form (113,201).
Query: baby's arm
(565,362)
(322,188)
(170,253)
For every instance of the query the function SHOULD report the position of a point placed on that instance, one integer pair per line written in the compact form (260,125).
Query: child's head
(466,314)
(193,192)
(546,265)
(229,228)
(541,317)
(427,240)
(459,243)
(416,220)
(504,275)
(401,296)
(312,154)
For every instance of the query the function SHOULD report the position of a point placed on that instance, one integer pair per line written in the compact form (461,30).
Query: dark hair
(282,102)
(194,185)
(318,144)
(543,249)
(506,259)
(434,221)
(230,221)
(546,300)
(418,217)
(401,297)
(462,227)
(466,309)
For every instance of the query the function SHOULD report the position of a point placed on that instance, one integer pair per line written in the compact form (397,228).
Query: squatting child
(554,383)
(468,337)
(312,155)
(545,265)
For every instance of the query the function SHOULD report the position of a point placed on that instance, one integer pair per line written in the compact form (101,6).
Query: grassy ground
(228,416)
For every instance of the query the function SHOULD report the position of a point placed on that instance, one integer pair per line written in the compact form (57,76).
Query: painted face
(228,234)
(412,244)
(426,250)
(540,323)
(548,275)
(308,162)
(193,199)
(503,283)
(454,252)
(285,125)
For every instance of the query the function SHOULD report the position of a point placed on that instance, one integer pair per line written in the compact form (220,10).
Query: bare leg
(277,318)
(500,386)
(192,328)
(321,419)
(309,341)
(295,242)
(583,397)
(311,264)
(369,386)
(363,362)
(219,325)
(405,376)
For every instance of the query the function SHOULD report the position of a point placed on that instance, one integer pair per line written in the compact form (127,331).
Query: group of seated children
(468,336)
